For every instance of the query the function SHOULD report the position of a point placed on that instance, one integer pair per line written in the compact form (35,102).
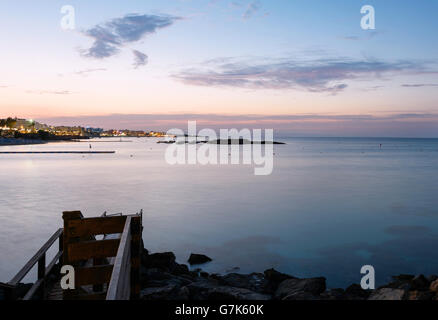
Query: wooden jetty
(107,268)
(55,152)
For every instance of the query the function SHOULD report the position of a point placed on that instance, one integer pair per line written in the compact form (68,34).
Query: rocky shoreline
(165,279)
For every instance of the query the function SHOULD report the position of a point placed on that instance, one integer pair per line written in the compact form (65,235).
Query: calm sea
(330,206)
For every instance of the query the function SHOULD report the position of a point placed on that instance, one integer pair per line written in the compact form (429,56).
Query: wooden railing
(120,284)
(108,268)
(40,257)
(110,265)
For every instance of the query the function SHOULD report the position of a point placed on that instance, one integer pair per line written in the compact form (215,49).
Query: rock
(165,261)
(198,259)
(403,277)
(434,286)
(274,278)
(420,295)
(432,278)
(254,281)
(199,289)
(160,293)
(420,283)
(180,269)
(289,287)
(333,294)
(155,277)
(215,276)
(203,274)
(183,294)
(388,294)
(301,296)
(232,293)
(355,292)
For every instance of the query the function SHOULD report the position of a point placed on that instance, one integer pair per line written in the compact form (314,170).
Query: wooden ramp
(104,251)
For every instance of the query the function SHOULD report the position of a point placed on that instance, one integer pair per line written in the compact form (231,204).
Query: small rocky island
(164,279)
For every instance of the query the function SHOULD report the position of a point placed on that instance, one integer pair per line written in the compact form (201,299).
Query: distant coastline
(17,142)
(27,141)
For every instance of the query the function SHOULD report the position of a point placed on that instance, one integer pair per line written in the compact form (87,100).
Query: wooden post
(136,228)
(42,274)
(66,240)
(61,247)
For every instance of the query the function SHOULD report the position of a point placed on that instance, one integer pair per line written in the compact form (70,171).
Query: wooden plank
(67,216)
(92,249)
(93,275)
(95,226)
(136,230)
(34,289)
(120,286)
(57,152)
(29,265)
(29,295)
(53,263)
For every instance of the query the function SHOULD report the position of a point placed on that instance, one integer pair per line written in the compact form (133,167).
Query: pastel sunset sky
(302,67)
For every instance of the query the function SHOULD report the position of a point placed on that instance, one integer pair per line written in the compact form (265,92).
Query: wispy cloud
(88,71)
(420,85)
(113,35)
(251,9)
(369,35)
(140,59)
(320,75)
(56,92)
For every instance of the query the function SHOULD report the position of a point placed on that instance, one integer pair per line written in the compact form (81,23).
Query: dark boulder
(420,283)
(254,281)
(180,269)
(160,293)
(231,293)
(388,294)
(301,296)
(198,259)
(291,287)
(355,292)
(421,295)
(164,261)
(333,294)
(274,278)
(198,290)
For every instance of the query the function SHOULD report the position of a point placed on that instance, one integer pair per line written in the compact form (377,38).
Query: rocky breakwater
(165,279)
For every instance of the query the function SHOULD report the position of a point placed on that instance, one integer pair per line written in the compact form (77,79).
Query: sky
(302,67)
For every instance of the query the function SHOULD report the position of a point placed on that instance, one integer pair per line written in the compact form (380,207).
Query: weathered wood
(41,278)
(92,249)
(93,275)
(95,226)
(67,216)
(120,284)
(33,290)
(136,231)
(29,265)
(90,257)
(53,263)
